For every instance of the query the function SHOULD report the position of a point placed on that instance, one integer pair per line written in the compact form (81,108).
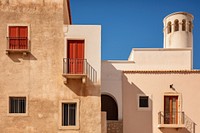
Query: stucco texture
(38,75)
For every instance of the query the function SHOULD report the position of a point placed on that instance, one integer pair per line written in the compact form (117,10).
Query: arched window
(183,25)
(109,105)
(190,26)
(176,25)
(169,27)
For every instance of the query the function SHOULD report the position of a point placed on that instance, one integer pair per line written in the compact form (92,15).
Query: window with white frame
(17,104)
(18,38)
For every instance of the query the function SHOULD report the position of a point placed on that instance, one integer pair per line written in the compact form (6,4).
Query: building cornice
(161,71)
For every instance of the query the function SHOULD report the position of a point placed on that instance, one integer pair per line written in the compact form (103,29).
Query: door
(171,110)
(75,56)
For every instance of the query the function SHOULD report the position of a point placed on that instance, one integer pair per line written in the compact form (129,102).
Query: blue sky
(128,24)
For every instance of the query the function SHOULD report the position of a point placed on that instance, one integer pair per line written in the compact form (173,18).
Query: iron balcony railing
(171,118)
(79,67)
(17,43)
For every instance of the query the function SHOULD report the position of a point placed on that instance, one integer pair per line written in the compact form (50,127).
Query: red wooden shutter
(13,34)
(23,37)
(18,37)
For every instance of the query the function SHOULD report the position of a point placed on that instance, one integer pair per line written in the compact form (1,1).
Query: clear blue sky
(128,24)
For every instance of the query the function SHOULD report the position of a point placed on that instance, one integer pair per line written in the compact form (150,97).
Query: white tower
(177,30)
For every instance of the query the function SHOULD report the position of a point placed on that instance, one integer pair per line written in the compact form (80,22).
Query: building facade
(156,89)
(48,80)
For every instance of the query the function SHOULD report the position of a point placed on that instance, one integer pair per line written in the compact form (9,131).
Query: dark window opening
(144,101)
(169,27)
(17,105)
(69,114)
(176,25)
(183,25)
(190,26)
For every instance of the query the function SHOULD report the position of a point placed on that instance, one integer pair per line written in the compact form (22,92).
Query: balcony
(17,45)
(78,69)
(171,120)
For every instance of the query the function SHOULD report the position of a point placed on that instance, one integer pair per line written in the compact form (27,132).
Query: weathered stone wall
(114,127)
(38,75)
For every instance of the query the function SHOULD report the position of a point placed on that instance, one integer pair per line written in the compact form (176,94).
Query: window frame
(149,102)
(28,40)
(72,101)
(17,114)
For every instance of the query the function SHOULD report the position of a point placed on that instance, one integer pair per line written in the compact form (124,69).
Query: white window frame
(29,36)
(77,102)
(149,102)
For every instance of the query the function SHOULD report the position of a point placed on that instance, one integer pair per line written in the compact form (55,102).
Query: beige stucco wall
(38,75)
(156,85)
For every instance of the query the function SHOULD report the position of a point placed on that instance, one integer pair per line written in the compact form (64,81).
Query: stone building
(49,82)
(156,90)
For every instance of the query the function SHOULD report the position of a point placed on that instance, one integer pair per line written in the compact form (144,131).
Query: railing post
(159,117)
(183,118)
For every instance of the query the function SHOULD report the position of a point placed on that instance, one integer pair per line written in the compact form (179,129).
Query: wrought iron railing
(17,43)
(79,66)
(171,118)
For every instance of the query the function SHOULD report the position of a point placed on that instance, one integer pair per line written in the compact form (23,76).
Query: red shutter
(18,37)
(23,37)
(13,34)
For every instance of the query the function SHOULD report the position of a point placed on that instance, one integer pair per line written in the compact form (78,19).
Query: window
(190,26)
(18,37)
(169,27)
(183,25)
(69,114)
(144,102)
(17,104)
(176,25)
(69,117)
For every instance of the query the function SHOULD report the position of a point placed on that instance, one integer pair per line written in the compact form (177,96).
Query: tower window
(190,26)
(176,25)
(169,27)
(183,25)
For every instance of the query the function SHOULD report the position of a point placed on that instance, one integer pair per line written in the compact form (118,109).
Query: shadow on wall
(136,119)
(189,127)
(81,89)
(15,57)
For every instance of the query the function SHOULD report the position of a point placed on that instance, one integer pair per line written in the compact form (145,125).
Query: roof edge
(69,10)
(160,71)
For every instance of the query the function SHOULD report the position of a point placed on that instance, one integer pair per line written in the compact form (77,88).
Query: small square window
(17,104)
(144,102)
(18,37)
